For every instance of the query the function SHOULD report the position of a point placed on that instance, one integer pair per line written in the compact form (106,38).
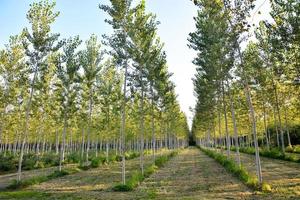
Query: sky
(84,18)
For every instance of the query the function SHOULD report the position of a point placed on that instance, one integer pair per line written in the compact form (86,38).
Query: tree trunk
(27,117)
(287,126)
(226,121)
(265,126)
(152,124)
(56,142)
(89,126)
(276,128)
(122,139)
(142,130)
(62,148)
(253,118)
(235,130)
(279,118)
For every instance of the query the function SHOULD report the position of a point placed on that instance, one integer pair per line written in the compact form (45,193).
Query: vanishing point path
(193,175)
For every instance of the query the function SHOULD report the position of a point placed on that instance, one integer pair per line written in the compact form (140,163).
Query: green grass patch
(137,177)
(23,195)
(240,172)
(38,179)
(272,153)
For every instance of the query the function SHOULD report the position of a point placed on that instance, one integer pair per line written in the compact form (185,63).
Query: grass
(39,179)
(240,172)
(137,177)
(272,153)
(95,162)
(23,195)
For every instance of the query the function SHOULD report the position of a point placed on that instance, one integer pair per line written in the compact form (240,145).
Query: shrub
(118,158)
(112,158)
(289,149)
(135,179)
(266,187)
(96,162)
(131,155)
(57,174)
(29,161)
(122,188)
(150,170)
(25,183)
(39,164)
(297,149)
(160,161)
(73,158)
(50,159)
(8,163)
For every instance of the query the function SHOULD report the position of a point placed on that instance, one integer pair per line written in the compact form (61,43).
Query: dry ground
(283,176)
(7,179)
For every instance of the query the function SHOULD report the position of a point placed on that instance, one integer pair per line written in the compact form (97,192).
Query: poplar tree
(39,43)
(90,60)
(67,67)
(121,14)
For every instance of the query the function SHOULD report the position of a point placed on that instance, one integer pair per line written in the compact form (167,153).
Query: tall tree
(39,44)
(90,60)
(67,73)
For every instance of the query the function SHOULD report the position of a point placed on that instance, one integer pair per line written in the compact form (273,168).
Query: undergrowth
(272,153)
(38,179)
(240,172)
(137,177)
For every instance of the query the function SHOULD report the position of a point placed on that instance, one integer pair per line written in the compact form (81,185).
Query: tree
(38,45)
(90,60)
(67,66)
(120,13)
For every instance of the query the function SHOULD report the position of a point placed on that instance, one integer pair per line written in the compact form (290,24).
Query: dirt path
(193,175)
(7,179)
(283,176)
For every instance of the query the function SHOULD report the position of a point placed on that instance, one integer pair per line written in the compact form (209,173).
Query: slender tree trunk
(287,126)
(226,121)
(56,142)
(62,148)
(27,117)
(107,151)
(152,124)
(142,130)
(123,146)
(253,118)
(276,128)
(279,118)
(220,129)
(82,145)
(265,126)
(235,130)
(89,126)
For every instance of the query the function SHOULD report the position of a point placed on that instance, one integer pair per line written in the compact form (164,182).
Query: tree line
(248,76)
(64,95)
